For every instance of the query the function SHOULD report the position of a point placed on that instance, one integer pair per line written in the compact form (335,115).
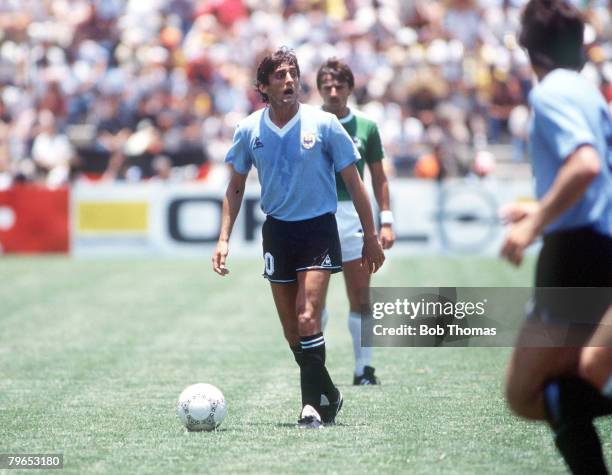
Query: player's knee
(307,321)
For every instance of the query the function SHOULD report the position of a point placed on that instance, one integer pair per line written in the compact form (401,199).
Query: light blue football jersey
(569,111)
(295,164)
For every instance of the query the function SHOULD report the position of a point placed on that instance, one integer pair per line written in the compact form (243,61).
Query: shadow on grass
(291,424)
(189,431)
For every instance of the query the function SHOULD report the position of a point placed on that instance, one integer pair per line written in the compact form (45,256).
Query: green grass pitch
(93,355)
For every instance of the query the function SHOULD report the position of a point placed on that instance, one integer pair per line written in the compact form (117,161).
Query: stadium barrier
(34,219)
(452,217)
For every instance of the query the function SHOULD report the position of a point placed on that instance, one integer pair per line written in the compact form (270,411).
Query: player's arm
(380,185)
(231,207)
(373,255)
(572,181)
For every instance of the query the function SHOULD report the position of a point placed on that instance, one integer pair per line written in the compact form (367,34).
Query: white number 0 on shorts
(269,261)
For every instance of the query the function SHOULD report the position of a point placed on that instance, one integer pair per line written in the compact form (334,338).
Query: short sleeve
(239,155)
(374,151)
(340,145)
(561,125)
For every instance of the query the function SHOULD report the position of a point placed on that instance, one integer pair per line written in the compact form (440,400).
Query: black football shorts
(573,278)
(290,247)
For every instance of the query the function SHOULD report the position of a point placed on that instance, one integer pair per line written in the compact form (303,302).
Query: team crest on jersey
(308,140)
(357,141)
(257,144)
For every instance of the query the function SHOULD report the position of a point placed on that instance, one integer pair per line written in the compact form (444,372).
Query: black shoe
(367,378)
(331,410)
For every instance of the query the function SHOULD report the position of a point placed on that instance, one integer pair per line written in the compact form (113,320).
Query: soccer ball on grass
(201,407)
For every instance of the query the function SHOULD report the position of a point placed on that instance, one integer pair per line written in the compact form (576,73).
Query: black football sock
(577,395)
(329,389)
(311,369)
(571,405)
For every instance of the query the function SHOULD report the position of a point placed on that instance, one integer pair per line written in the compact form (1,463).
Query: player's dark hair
(337,70)
(552,33)
(270,63)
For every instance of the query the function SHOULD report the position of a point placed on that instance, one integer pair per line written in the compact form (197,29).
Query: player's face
(283,85)
(335,95)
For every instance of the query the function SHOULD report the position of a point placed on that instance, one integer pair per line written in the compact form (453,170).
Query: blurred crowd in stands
(152,90)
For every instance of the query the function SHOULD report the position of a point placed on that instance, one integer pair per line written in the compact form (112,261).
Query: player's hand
(387,236)
(514,212)
(372,255)
(219,257)
(521,234)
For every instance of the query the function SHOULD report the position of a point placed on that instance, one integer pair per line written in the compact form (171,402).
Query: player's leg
(285,296)
(286,300)
(573,259)
(357,281)
(351,239)
(529,371)
(311,290)
(312,287)
(542,385)
(279,269)
(318,256)
(308,304)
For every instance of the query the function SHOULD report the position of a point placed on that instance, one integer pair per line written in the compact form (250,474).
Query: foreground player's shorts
(579,260)
(290,247)
(349,229)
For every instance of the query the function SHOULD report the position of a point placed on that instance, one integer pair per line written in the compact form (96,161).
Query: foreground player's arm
(380,185)
(231,207)
(574,178)
(373,255)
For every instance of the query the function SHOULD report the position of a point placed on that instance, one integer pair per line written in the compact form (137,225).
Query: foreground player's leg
(312,287)
(571,405)
(540,386)
(285,296)
(529,371)
(357,282)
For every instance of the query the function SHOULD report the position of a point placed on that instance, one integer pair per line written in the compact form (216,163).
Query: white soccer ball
(201,407)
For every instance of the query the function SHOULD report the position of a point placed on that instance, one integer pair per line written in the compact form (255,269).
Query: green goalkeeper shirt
(364,133)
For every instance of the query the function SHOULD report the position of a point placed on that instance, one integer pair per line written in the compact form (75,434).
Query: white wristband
(386,217)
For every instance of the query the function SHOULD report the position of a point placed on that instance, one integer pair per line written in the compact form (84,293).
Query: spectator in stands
(505,96)
(51,151)
(109,65)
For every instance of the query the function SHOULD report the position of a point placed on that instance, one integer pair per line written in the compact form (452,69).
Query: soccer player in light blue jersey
(296,150)
(567,385)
